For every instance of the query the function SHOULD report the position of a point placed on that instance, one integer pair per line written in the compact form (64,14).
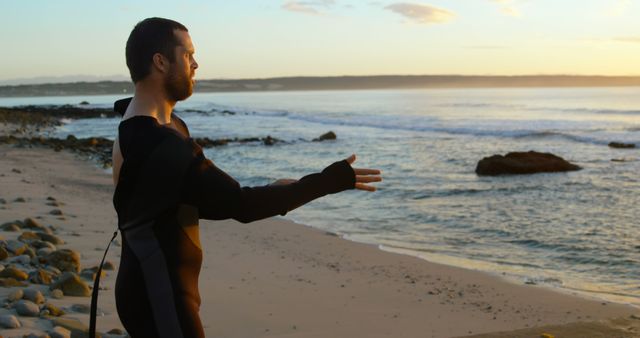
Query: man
(164,185)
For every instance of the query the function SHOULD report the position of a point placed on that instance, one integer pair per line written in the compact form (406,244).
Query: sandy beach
(275,278)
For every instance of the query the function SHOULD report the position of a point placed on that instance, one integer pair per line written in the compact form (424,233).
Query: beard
(178,86)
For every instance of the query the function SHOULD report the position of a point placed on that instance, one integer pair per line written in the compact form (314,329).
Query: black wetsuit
(165,176)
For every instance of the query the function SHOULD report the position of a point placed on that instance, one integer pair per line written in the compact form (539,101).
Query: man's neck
(150,101)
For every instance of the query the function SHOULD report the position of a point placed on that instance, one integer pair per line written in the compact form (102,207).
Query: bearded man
(165,184)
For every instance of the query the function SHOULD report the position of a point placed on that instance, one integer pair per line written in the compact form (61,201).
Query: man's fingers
(351,158)
(361,171)
(368,179)
(362,186)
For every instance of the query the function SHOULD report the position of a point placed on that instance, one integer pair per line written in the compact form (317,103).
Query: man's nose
(194,64)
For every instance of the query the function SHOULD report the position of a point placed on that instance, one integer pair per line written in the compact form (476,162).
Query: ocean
(576,231)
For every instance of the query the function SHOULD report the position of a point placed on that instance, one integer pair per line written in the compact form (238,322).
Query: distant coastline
(332,83)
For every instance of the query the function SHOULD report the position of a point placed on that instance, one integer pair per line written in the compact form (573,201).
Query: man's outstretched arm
(219,196)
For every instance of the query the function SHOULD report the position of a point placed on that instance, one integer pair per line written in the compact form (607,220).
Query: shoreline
(513,278)
(280,278)
(345,82)
(277,278)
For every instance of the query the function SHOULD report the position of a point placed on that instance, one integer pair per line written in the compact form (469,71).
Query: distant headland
(332,83)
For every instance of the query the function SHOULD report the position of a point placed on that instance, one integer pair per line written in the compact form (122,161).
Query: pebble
(60,332)
(41,276)
(22,259)
(33,295)
(15,295)
(108,265)
(42,244)
(15,273)
(52,310)
(57,294)
(36,335)
(53,239)
(50,198)
(11,226)
(116,331)
(28,237)
(71,284)
(3,253)
(29,251)
(81,308)
(11,282)
(31,223)
(76,327)
(44,251)
(20,200)
(27,308)
(3,201)
(65,260)
(9,322)
(53,270)
(16,247)
(91,273)
(56,212)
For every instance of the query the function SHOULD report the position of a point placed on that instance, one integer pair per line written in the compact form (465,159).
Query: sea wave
(520,107)
(435,125)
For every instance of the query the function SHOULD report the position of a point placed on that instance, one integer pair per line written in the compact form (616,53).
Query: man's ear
(160,63)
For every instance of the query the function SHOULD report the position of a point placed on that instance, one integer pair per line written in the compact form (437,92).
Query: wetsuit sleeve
(218,196)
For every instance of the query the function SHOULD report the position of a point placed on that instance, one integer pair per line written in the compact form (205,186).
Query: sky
(271,38)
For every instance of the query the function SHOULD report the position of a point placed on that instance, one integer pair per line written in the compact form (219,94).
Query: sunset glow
(251,38)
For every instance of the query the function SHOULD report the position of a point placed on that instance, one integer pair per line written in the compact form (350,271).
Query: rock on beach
(34,295)
(65,260)
(27,308)
(71,285)
(9,322)
(15,273)
(60,332)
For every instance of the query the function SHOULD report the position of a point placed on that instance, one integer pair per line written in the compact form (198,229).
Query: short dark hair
(150,36)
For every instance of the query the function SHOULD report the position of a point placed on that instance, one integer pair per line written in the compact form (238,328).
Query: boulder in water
(621,145)
(326,136)
(516,163)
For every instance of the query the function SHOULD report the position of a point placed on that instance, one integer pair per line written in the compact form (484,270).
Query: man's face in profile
(179,81)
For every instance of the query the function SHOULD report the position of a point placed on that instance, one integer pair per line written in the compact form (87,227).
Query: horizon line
(5,83)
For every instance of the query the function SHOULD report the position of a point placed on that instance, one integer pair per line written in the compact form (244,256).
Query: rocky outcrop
(516,163)
(326,136)
(621,145)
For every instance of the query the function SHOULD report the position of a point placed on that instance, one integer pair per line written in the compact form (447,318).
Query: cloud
(609,40)
(486,47)
(630,39)
(308,7)
(422,14)
(507,7)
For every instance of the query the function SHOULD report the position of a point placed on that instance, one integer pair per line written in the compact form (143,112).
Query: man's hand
(365,176)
